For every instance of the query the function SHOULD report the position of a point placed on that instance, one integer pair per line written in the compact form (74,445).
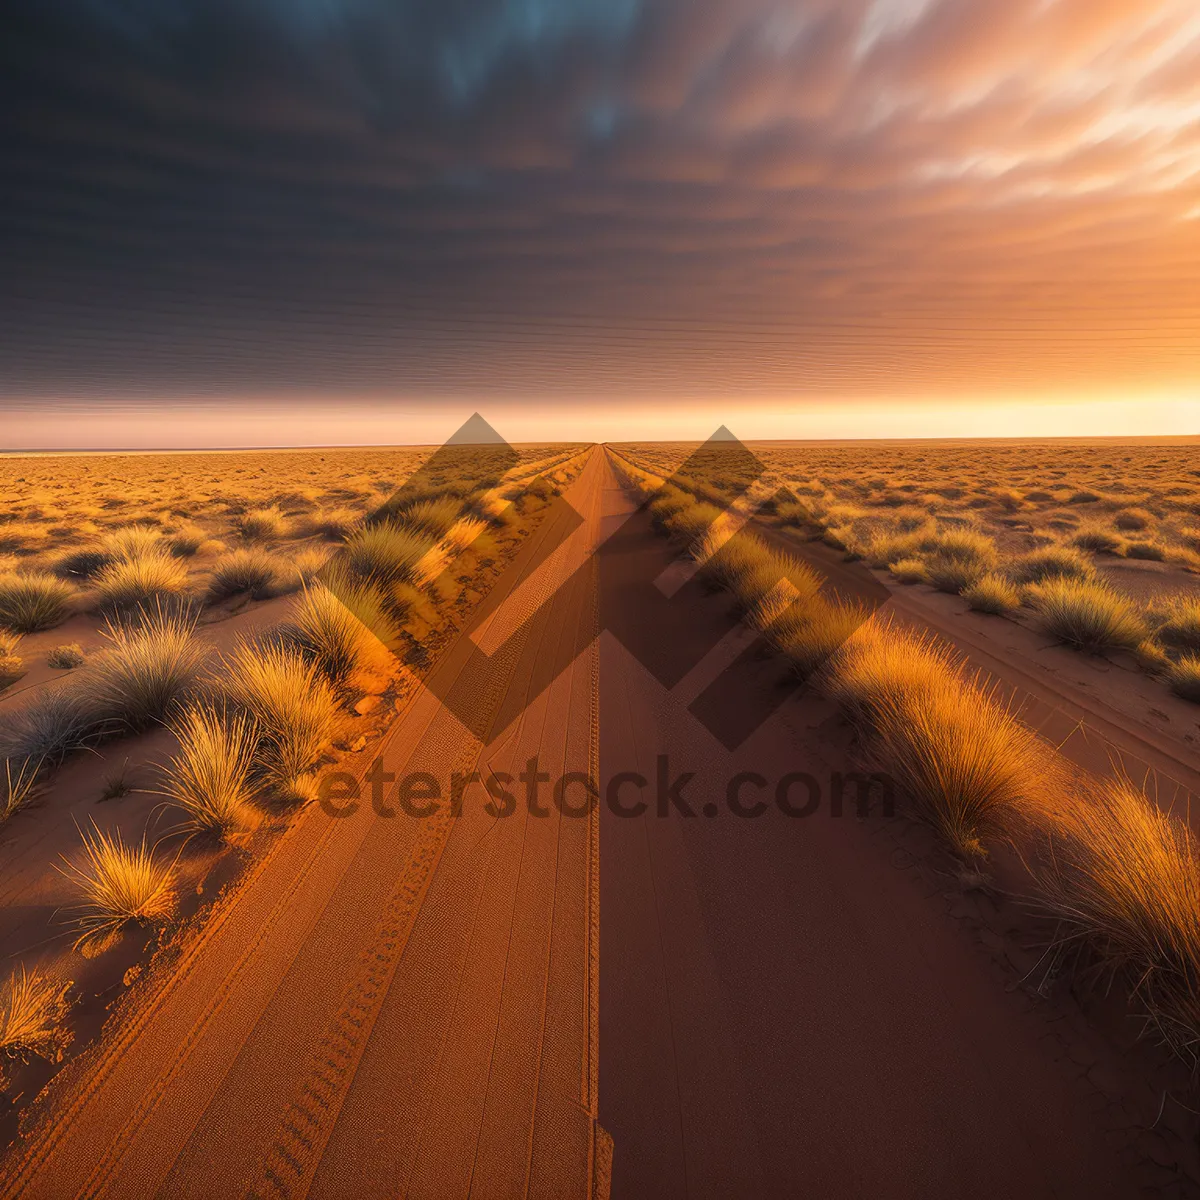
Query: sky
(242,222)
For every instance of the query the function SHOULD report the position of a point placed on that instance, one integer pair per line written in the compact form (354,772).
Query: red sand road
(416,1007)
(782,1012)
(393,1006)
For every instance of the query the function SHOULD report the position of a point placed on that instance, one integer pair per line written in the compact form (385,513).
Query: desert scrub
(33,1012)
(251,569)
(66,657)
(32,602)
(1133,520)
(210,776)
(993,594)
(969,768)
(469,533)
(337,524)
(809,633)
(1050,563)
(132,542)
(140,582)
(1183,677)
(145,670)
(953,575)
(345,630)
(293,706)
(1148,551)
(1089,616)
(1122,877)
(431,518)
(120,885)
(186,541)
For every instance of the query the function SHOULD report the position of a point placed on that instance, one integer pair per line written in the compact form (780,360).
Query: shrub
(263,524)
(967,765)
(344,630)
(65,658)
(250,569)
(33,602)
(1088,616)
(1184,678)
(294,708)
(121,885)
(1123,877)
(909,570)
(140,582)
(33,1011)
(146,669)
(386,552)
(209,778)
(1049,563)
(992,594)
(1149,551)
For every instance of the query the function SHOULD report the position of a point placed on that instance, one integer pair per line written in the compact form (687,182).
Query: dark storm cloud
(594,194)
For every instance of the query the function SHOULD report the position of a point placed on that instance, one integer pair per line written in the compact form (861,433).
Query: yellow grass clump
(249,569)
(294,708)
(1123,877)
(145,670)
(264,524)
(909,570)
(1091,617)
(386,552)
(432,519)
(994,594)
(345,630)
(1049,563)
(968,766)
(33,1011)
(134,582)
(121,885)
(210,776)
(34,601)
(1184,678)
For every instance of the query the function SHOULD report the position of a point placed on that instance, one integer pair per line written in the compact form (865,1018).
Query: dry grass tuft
(1095,538)
(146,669)
(1123,877)
(19,785)
(1088,616)
(1178,625)
(295,709)
(140,582)
(345,631)
(1184,678)
(33,602)
(49,727)
(12,666)
(132,542)
(967,765)
(121,885)
(66,657)
(263,524)
(250,569)
(1050,563)
(431,518)
(909,570)
(386,552)
(33,1011)
(210,777)
(466,534)
(992,594)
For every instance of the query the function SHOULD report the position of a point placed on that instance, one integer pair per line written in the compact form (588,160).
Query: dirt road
(452,1005)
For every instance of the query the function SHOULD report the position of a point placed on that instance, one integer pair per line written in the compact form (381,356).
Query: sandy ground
(440,1006)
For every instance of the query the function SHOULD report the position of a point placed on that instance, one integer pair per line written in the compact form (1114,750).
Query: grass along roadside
(1120,876)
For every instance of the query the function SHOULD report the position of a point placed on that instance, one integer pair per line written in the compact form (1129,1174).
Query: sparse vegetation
(252,570)
(992,594)
(33,1011)
(140,582)
(66,657)
(345,631)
